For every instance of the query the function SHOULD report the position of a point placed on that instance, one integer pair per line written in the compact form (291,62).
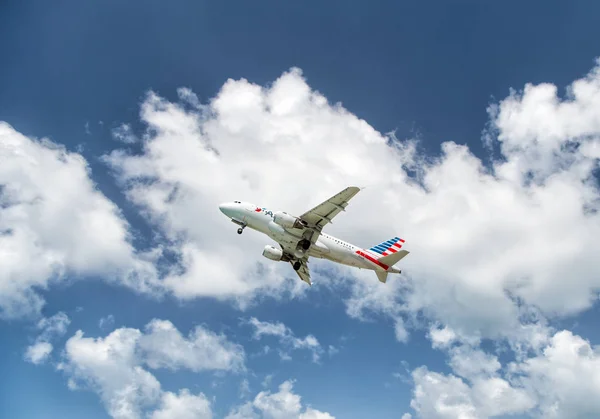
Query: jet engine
(286,220)
(272,253)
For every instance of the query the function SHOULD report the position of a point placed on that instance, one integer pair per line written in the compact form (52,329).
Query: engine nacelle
(286,220)
(272,253)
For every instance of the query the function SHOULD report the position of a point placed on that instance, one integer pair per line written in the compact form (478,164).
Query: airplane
(302,237)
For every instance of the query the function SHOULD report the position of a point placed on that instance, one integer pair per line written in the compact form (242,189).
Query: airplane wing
(323,213)
(304,272)
(316,219)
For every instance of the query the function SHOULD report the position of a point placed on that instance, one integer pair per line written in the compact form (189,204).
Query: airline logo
(266,211)
(388,247)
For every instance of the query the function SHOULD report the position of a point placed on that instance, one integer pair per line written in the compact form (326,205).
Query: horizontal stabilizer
(382,276)
(391,260)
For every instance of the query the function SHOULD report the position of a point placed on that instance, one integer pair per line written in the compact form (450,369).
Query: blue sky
(138,236)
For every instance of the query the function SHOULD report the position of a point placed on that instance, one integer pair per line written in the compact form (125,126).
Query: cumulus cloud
(163,346)
(110,367)
(560,379)
(480,238)
(183,406)
(54,223)
(549,150)
(495,251)
(287,338)
(114,367)
(284,404)
(448,396)
(565,377)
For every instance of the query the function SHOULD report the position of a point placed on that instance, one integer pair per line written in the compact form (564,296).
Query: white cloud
(163,346)
(487,246)
(472,363)
(193,160)
(473,235)
(38,352)
(561,379)
(54,326)
(441,338)
(54,222)
(183,406)
(125,134)
(284,404)
(546,187)
(286,338)
(535,125)
(50,328)
(266,328)
(114,368)
(110,367)
(315,414)
(565,377)
(448,396)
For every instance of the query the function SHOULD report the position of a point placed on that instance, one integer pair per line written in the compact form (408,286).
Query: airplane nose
(225,208)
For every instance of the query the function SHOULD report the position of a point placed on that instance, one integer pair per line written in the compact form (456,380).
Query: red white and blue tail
(388,247)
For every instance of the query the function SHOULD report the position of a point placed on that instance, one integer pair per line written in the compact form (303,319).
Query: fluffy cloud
(441,338)
(550,151)
(448,396)
(163,346)
(183,406)
(284,404)
(559,380)
(494,250)
(114,368)
(486,243)
(54,222)
(111,367)
(38,352)
(286,337)
(565,377)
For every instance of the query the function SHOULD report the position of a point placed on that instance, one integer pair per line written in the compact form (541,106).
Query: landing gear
(297,265)
(305,244)
(240,230)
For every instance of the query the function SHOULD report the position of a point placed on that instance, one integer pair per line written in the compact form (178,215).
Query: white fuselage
(326,246)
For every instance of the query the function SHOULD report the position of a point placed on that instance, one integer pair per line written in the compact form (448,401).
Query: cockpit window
(236,202)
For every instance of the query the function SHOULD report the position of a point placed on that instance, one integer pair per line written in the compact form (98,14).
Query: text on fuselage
(265,211)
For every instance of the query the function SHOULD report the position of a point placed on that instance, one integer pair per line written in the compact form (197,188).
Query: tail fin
(390,251)
(389,247)
(382,276)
